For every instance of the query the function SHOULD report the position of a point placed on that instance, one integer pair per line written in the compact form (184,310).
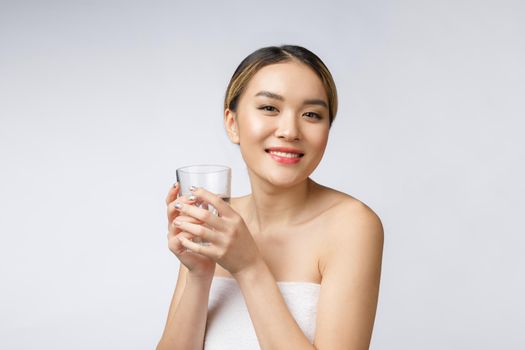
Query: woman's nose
(288,127)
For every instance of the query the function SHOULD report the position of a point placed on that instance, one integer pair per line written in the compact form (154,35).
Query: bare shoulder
(354,216)
(350,223)
(346,211)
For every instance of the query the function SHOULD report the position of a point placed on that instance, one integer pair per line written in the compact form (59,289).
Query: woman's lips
(283,159)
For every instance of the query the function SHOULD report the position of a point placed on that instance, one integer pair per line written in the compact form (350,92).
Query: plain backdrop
(100,102)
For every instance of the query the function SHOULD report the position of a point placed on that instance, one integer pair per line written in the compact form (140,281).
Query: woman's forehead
(288,79)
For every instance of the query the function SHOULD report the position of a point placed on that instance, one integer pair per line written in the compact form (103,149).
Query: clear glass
(214,178)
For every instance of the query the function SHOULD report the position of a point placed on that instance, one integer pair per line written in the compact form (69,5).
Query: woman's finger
(172,211)
(197,230)
(203,215)
(206,250)
(172,194)
(184,218)
(174,230)
(218,203)
(175,244)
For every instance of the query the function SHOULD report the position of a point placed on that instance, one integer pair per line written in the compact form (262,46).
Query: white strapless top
(229,326)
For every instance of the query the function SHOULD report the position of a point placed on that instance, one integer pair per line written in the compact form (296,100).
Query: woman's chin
(284,181)
(280,178)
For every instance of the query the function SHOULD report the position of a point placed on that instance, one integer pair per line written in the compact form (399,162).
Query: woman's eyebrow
(316,102)
(281,98)
(270,95)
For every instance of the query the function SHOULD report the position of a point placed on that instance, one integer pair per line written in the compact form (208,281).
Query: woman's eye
(268,108)
(313,115)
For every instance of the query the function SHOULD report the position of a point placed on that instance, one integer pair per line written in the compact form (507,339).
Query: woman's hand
(198,265)
(231,243)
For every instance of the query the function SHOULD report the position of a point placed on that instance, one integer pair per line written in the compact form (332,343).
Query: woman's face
(282,123)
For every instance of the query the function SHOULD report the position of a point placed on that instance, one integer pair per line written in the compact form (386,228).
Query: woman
(299,261)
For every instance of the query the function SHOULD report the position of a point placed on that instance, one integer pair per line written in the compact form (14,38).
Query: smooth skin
(288,229)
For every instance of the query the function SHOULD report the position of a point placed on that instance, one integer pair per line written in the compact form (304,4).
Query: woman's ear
(230,123)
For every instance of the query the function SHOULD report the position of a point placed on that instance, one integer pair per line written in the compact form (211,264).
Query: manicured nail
(193,188)
(177,223)
(178,205)
(192,197)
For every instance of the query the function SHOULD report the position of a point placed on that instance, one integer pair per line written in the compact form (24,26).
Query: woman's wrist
(251,273)
(199,278)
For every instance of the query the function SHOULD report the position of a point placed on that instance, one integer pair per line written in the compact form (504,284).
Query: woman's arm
(351,270)
(186,322)
(187,314)
(348,297)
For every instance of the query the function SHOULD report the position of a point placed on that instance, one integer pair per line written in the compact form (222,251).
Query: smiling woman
(275,121)
(294,264)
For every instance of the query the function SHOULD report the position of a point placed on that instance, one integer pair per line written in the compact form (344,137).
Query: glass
(214,178)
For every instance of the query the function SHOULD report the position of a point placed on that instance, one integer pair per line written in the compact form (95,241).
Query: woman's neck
(269,206)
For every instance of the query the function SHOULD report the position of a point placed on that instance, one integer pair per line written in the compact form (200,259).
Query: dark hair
(275,54)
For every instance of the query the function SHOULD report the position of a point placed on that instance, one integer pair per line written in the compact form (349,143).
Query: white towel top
(229,326)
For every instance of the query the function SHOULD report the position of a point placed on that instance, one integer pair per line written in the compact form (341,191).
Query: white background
(100,102)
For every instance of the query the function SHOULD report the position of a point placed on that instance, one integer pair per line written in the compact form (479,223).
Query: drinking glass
(214,178)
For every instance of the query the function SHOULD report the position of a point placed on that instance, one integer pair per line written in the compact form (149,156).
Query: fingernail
(175,185)
(177,223)
(178,205)
(193,188)
(192,197)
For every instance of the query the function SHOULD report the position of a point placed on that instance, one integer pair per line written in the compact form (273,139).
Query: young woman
(294,264)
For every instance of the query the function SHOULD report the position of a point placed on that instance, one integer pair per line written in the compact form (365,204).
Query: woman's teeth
(287,155)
